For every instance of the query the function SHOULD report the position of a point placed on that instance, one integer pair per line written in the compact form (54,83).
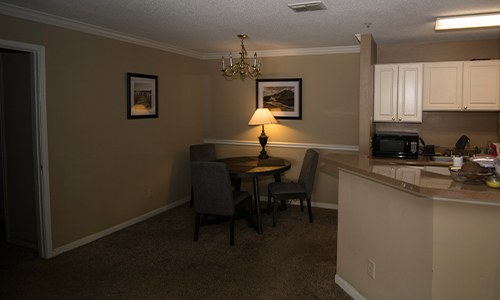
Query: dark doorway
(18,221)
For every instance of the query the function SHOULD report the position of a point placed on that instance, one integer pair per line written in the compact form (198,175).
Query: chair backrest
(212,188)
(202,152)
(308,170)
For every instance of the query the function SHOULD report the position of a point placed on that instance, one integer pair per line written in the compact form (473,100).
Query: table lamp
(260,117)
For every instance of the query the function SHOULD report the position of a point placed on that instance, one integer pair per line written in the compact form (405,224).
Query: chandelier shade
(241,69)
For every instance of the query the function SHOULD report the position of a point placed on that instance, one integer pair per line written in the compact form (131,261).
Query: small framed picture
(142,96)
(283,97)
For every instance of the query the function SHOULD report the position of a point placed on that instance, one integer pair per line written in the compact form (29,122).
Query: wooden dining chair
(214,194)
(302,189)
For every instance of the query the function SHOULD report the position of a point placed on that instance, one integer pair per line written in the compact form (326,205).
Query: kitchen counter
(406,230)
(421,177)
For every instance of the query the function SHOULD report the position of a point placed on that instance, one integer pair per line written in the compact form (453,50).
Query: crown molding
(294,52)
(41,17)
(37,16)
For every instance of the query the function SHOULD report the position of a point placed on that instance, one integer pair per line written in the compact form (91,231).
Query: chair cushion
(289,190)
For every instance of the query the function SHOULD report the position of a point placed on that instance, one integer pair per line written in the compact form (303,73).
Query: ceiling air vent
(307,6)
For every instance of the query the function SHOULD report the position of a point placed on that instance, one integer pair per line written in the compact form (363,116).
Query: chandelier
(241,69)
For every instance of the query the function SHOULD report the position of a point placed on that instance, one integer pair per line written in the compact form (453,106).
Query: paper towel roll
(458,161)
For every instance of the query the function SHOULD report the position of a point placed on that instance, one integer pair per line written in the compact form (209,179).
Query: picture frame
(283,97)
(142,96)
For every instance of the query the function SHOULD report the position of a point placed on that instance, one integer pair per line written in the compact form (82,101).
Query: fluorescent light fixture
(468,21)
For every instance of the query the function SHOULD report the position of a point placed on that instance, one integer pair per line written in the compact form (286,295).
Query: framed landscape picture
(142,96)
(283,97)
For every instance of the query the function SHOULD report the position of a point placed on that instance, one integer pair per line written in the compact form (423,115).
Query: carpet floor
(157,259)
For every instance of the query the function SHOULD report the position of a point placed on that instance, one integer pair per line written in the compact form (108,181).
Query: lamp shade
(262,116)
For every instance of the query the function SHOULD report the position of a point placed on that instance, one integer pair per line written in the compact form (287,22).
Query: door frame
(44,229)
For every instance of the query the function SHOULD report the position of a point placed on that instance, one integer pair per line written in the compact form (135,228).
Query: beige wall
(431,52)
(330,101)
(368,57)
(466,264)
(105,169)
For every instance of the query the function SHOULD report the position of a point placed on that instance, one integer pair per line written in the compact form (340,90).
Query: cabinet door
(482,85)
(385,93)
(410,93)
(442,86)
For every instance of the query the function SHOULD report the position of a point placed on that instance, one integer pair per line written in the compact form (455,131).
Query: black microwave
(397,145)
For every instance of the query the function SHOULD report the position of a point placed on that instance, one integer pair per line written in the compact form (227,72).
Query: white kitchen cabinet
(462,86)
(443,86)
(481,86)
(398,93)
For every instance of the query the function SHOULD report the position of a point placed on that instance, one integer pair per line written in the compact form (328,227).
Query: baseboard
(318,204)
(323,205)
(349,289)
(108,231)
(313,204)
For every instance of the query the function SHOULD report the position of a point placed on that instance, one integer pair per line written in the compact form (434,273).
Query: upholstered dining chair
(214,194)
(302,189)
(201,152)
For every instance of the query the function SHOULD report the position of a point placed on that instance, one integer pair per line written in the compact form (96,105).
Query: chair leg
(197,226)
(275,210)
(191,202)
(301,205)
(231,231)
(309,210)
(236,183)
(269,203)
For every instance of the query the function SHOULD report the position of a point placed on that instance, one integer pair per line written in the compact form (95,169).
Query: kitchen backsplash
(445,128)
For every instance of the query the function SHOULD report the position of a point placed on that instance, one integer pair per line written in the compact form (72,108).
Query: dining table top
(249,166)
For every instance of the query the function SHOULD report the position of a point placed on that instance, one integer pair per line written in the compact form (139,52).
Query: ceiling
(211,26)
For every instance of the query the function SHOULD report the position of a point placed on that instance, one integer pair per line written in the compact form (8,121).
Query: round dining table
(253,167)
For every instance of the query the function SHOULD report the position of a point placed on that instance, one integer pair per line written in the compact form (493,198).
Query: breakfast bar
(408,231)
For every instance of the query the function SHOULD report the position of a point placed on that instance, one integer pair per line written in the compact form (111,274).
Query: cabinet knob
(394,119)
(465,107)
(400,119)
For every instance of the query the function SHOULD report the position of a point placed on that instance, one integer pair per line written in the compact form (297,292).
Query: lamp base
(263,154)
(263,142)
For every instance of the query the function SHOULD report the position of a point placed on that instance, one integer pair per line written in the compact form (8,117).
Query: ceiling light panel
(468,21)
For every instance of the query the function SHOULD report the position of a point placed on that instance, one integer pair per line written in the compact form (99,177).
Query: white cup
(458,161)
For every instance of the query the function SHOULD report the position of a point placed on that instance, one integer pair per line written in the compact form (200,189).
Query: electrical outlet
(371,269)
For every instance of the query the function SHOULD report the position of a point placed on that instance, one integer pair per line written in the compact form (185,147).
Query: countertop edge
(361,165)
